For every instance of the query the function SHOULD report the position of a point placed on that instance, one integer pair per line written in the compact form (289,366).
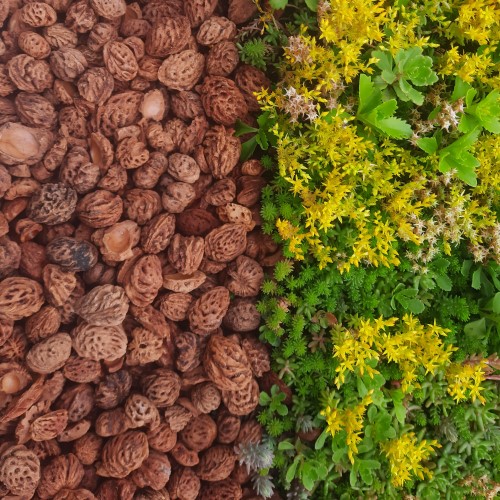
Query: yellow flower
(464,381)
(353,20)
(406,455)
(479,20)
(350,420)
(415,347)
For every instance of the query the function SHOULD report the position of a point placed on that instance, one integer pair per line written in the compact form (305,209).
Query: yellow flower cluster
(350,420)
(413,346)
(470,67)
(404,29)
(479,20)
(359,21)
(464,381)
(406,454)
(374,195)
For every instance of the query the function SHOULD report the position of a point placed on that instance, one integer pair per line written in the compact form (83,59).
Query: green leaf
(312,5)
(488,112)
(308,476)
(282,410)
(376,113)
(372,413)
(427,282)
(353,476)
(476,279)
(476,328)
(386,109)
(395,128)
(384,60)
(366,444)
(242,128)
(467,175)
(248,149)
(369,464)
(403,55)
(456,156)
(496,303)
(440,265)
(466,267)
(465,165)
(320,442)
(286,445)
(443,282)
(403,296)
(416,67)
(278,4)
(362,390)
(469,96)
(464,142)
(388,76)
(366,476)
(400,412)
(369,96)
(460,89)
(411,93)
(468,123)
(376,382)
(428,144)
(400,94)
(261,139)
(399,408)
(382,429)
(265,121)
(416,306)
(338,454)
(290,473)
(264,398)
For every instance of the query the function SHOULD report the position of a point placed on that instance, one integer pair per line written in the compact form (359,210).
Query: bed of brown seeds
(130,251)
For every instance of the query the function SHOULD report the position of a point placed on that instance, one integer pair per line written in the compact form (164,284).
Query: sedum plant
(381,139)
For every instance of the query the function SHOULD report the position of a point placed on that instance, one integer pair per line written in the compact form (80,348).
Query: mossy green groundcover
(380,137)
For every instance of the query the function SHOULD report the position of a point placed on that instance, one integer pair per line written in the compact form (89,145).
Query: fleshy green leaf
(416,67)
(264,398)
(369,96)
(476,328)
(388,76)
(384,60)
(320,442)
(386,109)
(428,144)
(285,445)
(416,306)
(476,279)
(278,4)
(411,93)
(460,89)
(443,282)
(366,476)
(308,476)
(290,473)
(382,429)
(248,148)
(399,408)
(312,5)
(496,303)
(488,112)
(242,129)
(469,96)
(395,127)
(468,123)
(377,114)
